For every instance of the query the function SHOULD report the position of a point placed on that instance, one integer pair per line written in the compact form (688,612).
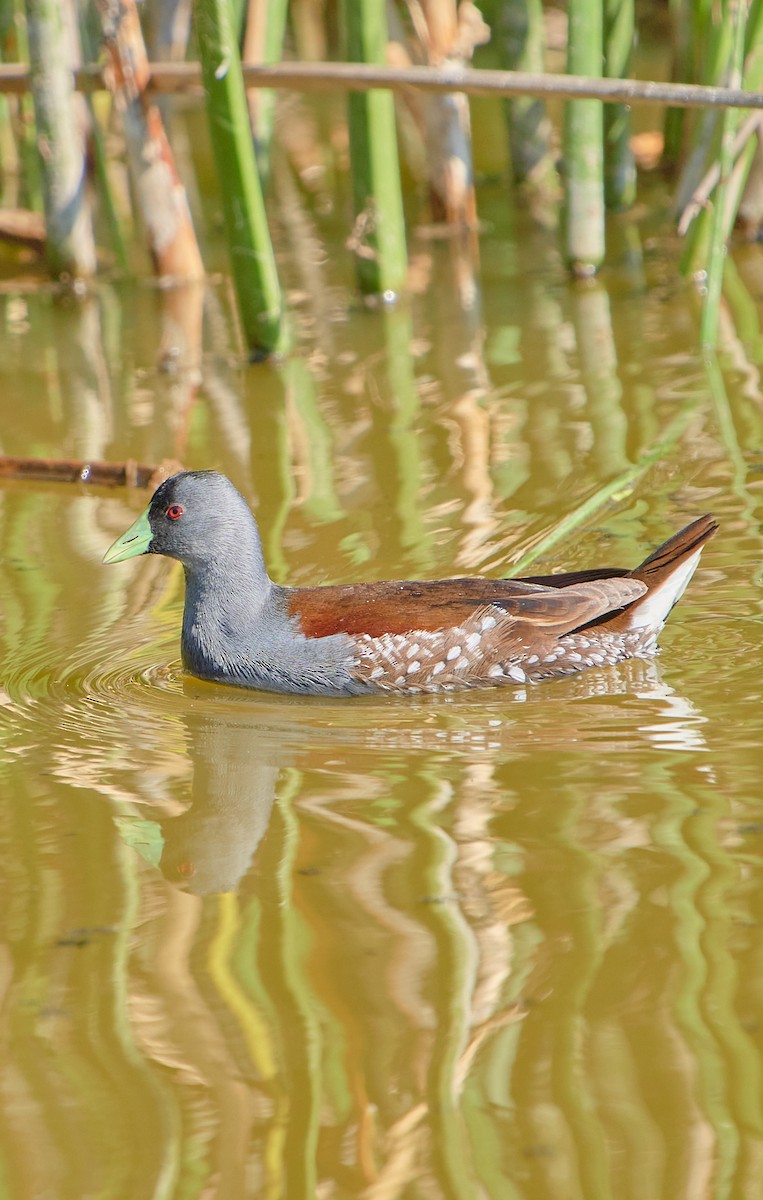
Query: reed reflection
(471,913)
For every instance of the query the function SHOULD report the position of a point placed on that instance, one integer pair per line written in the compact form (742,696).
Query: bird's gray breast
(257,645)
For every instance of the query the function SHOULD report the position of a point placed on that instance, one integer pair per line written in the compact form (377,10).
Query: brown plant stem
(98,472)
(163,203)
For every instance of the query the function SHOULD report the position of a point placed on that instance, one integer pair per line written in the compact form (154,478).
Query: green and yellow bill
(135,541)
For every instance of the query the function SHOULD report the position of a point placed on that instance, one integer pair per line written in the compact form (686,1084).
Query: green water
(501,945)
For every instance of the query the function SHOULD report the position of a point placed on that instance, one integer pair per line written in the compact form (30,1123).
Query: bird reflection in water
(237,756)
(212,844)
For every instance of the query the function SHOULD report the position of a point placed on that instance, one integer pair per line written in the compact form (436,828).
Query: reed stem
(70,245)
(682,71)
(161,195)
(87,32)
(519,39)
(379,234)
(263,42)
(619,164)
(584,236)
(252,260)
(718,229)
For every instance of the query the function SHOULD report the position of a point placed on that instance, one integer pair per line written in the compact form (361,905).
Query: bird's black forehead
(163,495)
(176,487)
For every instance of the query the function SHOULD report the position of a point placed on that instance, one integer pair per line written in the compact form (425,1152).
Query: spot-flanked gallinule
(401,637)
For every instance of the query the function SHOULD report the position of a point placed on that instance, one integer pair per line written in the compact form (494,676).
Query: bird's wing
(394,607)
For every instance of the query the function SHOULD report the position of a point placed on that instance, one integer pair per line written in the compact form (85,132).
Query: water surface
(505,944)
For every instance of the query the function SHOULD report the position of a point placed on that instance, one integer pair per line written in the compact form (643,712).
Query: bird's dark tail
(666,573)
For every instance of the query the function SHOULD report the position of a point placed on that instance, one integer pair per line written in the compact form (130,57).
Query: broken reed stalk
(263,42)
(252,260)
(749,129)
(619,163)
(161,195)
(718,230)
(583,146)
(378,238)
(70,243)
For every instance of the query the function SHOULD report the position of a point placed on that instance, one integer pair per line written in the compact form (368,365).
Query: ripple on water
(124,702)
(98,675)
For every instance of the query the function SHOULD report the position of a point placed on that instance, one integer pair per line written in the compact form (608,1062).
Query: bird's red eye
(174,511)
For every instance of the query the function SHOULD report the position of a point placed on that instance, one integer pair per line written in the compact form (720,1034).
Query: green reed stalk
(519,38)
(583,146)
(238,10)
(7,148)
(16,48)
(682,72)
(263,43)
(100,158)
(308,26)
(6,20)
(711,41)
(619,164)
(379,234)
(252,260)
(70,243)
(719,232)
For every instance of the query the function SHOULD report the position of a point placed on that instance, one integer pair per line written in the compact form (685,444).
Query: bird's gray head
(197,517)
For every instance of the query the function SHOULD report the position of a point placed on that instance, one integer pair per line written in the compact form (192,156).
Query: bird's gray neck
(237,629)
(226,595)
